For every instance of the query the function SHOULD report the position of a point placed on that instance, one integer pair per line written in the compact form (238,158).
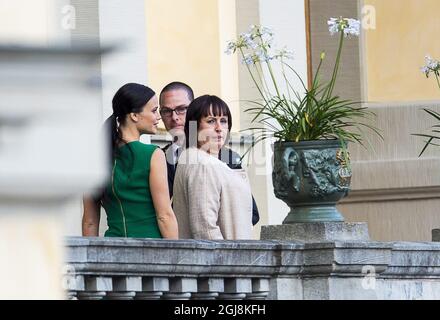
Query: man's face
(173,105)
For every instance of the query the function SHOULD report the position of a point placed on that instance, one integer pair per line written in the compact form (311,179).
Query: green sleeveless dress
(127,199)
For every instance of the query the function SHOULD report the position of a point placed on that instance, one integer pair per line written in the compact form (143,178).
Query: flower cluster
(431,66)
(346,25)
(256,46)
(288,115)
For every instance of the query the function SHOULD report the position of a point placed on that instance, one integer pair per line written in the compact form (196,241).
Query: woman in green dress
(136,197)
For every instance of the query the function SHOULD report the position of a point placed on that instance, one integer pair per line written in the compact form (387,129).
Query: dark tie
(177,154)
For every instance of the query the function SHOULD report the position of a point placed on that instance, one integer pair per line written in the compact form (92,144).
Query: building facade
(159,41)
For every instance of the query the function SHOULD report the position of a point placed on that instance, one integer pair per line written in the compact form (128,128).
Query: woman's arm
(91,216)
(159,191)
(204,193)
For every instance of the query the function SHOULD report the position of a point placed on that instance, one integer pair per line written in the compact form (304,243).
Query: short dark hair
(204,106)
(176,85)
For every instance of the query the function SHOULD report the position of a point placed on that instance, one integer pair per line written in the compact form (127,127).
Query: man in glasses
(174,100)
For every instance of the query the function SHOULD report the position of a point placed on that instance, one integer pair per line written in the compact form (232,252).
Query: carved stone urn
(311,177)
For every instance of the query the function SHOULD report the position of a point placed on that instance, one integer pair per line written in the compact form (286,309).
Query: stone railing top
(250,257)
(146,268)
(185,243)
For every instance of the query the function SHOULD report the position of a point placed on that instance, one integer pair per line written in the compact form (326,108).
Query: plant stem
(260,74)
(273,78)
(266,55)
(438,82)
(253,78)
(335,70)
(285,78)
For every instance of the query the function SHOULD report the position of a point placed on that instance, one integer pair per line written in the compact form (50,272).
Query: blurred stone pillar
(50,152)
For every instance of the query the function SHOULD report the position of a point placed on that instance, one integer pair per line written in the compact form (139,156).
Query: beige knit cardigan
(211,201)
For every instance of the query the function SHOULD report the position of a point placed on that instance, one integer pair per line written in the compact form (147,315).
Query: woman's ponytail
(111,128)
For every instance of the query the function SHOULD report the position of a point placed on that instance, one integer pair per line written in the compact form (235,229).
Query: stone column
(236,289)
(45,160)
(260,289)
(153,288)
(103,23)
(287,20)
(181,289)
(125,288)
(96,288)
(208,288)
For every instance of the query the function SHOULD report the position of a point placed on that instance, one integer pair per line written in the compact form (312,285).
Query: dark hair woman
(136,197)
(211,200)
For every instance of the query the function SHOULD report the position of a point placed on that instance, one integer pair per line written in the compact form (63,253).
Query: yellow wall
(229,63)
(186,42)
(406,30)
(182,44)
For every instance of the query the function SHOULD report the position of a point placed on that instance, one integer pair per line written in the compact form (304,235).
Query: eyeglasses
(167,112)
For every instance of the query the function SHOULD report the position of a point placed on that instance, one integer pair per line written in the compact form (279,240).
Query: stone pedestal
(316,232)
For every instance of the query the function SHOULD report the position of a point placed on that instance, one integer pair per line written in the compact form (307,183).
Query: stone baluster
(96,288)
(181,288)
(125,288)
(236,288)
(208,288)
(73,284)
(153,288)
(260,289)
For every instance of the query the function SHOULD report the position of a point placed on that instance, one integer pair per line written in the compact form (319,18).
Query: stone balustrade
(118,268)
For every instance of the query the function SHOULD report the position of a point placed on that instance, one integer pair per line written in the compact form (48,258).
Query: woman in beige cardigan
(211,201)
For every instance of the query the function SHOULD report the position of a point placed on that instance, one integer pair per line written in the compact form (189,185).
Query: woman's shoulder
(144,146)
(194,156)
(142,151)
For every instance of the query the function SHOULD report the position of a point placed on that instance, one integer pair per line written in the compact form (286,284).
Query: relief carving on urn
(311,177)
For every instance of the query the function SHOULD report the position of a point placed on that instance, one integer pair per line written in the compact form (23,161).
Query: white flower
(425,70)
(248,59)
(347,25)
(333,26)
(247,40)
(267,39)
(431,66)
(353,27)
(231,47)
(264,34)
(260,56)
(266,30)
(432,63)
(263,56)
(284,53)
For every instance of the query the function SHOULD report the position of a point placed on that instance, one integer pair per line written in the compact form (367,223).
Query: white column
(287,20)
(122,24)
